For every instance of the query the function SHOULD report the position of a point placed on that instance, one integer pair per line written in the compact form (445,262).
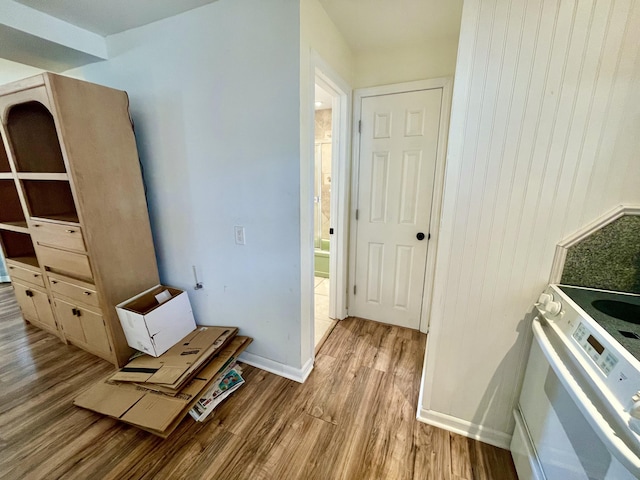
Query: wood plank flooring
(353,419)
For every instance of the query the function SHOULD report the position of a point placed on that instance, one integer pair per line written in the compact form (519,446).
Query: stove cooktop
(617,313)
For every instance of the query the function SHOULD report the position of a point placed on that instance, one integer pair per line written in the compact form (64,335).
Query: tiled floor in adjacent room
(323,324)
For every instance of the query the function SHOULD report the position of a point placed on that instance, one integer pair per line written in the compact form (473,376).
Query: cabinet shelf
(11,210)
(20,226)
(30,261)
(32,133)
(70,219)
(50,199)
(43,176)
(18,247)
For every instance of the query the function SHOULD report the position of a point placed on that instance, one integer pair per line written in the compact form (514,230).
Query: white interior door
(398,152)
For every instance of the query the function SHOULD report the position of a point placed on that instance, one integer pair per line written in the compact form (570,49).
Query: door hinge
(359,126)
(357,213)
(354,289)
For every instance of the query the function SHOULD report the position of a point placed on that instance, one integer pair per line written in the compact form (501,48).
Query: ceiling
(323,99)
(365,24)
(387,24)
(106,17)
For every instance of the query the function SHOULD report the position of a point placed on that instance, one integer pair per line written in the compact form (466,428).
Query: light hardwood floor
(353,419)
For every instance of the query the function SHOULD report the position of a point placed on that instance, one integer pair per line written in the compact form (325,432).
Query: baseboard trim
(297,374)
(466,428)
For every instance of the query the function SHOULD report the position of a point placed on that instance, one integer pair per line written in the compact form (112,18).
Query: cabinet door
(24,295)
(83,326)
(43,309)
(95,332)
(69,321)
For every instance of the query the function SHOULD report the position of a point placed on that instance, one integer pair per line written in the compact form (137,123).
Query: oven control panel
(598,353)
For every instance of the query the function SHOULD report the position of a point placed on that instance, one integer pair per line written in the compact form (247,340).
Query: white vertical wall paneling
(539,145)
(457,130)
(599,133)
(612,143)
(456,278)
(483,195)
(553,149)
(575,151)
(629,126)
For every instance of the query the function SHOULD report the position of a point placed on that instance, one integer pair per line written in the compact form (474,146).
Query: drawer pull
(36,224)
(36,275)
(28,293)
(54,281)
(87,293)
(75,312)
(70,231)
(11,268)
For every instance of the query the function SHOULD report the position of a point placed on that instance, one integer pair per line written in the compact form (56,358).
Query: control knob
(635,409)
(544,298)
(553,308)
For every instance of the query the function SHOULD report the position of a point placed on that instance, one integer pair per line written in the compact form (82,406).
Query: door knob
(420,236)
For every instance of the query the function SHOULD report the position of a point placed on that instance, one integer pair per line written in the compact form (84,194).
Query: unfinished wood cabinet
(35,306)
(74,225)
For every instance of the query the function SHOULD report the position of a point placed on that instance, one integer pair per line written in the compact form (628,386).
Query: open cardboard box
(153,411)
(156,319)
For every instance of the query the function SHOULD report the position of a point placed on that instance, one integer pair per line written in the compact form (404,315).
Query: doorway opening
(324,320)
(329,200)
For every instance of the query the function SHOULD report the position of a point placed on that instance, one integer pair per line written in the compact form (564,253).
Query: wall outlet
(239,234)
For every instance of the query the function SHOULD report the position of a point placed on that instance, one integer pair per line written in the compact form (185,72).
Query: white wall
(319,37)
(544,138)
(407,63)
(12,71)
(214,97)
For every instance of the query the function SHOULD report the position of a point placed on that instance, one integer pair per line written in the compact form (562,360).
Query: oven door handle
(602,428)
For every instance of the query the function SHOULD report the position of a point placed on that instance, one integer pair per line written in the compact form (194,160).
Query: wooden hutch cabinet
(74,225)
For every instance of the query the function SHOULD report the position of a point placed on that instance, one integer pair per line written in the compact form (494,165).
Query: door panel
(95,332)
(69,321)
(25,300)
(398,151)
(43,308)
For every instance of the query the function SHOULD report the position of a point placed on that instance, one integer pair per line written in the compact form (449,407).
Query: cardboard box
(154,411)
(153,326)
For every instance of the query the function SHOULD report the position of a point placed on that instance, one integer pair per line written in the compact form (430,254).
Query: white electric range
(576,417)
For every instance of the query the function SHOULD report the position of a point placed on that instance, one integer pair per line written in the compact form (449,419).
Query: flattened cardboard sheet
(109,399)
(153,411)
(175,366)
(233,349)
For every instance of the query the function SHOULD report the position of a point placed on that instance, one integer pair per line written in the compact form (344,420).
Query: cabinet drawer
(76,290)
(26,275)
(71,263)
(58,235)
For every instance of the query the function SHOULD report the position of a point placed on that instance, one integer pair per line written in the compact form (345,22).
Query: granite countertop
(614,326)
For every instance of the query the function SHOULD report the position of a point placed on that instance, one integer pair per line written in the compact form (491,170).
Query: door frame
(320,71)
(446,84)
